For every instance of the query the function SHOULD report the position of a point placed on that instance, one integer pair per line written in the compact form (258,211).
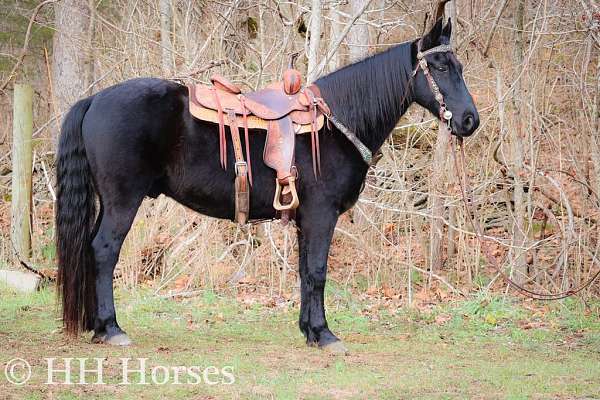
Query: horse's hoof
(336,348)
(120,339)
(99,338)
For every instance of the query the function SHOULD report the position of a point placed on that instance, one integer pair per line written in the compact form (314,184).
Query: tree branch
(21,57)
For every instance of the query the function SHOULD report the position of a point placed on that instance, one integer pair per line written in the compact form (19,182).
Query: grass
(481,348)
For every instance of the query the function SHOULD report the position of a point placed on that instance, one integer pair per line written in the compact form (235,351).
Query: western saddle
(284,109)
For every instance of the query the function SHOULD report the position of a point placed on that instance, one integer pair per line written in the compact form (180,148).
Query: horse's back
(134,112)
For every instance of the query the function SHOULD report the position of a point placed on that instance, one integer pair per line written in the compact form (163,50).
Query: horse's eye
(441,67)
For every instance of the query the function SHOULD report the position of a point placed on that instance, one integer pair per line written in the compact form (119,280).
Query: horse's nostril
(468,122)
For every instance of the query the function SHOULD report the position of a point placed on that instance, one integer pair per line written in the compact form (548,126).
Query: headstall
(445,114)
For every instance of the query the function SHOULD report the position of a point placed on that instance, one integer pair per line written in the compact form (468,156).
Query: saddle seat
(269,103)
(283,109)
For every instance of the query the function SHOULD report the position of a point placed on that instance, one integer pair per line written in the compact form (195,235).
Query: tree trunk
(89,65)
(595,139)
(516,167)
(165,37)
(358,37)
(437,190)
(441,171)
(336,30)
(450,12)
(71,52)
(236,34)
(314,40)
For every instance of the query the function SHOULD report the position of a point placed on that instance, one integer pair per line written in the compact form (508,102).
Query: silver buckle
(238,165)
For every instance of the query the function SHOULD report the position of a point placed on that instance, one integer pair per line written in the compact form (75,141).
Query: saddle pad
(206,114)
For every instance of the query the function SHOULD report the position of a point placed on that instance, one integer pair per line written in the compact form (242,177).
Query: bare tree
(315,70)
(314,40)
(358,38)
(533,165)
(236,39)
(165,36)
(440,172)
(336,29)
(516,135)
(71,53)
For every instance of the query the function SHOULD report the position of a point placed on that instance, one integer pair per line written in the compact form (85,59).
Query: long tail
(75,215)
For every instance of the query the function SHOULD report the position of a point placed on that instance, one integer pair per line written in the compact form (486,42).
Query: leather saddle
(284,109)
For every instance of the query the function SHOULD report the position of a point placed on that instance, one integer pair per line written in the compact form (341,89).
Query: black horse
(138,139)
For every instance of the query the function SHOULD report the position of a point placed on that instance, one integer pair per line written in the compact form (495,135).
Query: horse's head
(439,85)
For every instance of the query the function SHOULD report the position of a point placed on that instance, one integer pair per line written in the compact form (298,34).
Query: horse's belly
(216,198)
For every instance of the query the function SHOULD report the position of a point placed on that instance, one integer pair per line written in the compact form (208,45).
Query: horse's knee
(317,278)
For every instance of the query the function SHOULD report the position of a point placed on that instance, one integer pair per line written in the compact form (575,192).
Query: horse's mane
(371,95)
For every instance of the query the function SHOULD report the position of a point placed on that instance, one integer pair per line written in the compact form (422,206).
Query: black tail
(75,215)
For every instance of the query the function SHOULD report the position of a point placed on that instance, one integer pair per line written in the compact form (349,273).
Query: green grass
(478,350)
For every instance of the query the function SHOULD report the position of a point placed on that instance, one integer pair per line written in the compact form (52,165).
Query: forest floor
(483,348)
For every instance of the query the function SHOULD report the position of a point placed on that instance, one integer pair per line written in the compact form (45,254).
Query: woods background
(533,68)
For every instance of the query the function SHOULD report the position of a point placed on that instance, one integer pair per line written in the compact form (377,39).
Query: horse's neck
(370,96)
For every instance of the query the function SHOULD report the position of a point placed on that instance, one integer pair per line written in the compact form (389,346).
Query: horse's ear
(447,31)
(432,38)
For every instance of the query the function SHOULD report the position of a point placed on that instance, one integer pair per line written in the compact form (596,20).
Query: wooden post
(22,165)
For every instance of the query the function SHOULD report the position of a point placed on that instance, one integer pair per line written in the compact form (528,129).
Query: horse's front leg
(315,230)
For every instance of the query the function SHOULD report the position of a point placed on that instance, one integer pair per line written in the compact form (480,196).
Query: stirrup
(290,188)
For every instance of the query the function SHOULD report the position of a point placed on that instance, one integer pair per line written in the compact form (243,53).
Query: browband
(442,48)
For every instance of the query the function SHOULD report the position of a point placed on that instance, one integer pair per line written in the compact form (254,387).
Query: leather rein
(445,128)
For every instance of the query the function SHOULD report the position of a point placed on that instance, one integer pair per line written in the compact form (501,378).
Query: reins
(445,128)
(464,184)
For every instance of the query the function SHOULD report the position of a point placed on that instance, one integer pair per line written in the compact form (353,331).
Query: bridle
(445,128)
(446,115)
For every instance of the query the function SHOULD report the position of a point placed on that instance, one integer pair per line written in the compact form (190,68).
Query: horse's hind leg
(115,223)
